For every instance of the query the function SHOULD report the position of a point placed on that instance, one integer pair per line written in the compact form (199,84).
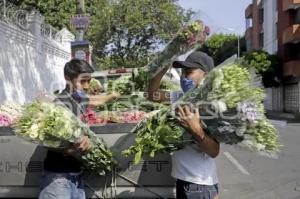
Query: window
(297,17)
(261,40)
(261,16)
(248,45)
(248,23)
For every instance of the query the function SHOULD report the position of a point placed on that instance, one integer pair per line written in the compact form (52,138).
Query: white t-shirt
(192,165)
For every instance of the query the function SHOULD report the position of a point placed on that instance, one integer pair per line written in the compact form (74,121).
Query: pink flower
(5,121)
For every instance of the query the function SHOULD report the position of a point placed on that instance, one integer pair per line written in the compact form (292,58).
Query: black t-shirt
(56,161)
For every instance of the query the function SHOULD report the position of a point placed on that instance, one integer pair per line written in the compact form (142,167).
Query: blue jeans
(62,186)
(188,190)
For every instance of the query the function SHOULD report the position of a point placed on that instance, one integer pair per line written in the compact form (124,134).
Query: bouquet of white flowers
(231,109)
(55,126)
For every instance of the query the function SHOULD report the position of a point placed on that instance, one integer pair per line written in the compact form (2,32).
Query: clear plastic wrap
(54,125)
(229,100)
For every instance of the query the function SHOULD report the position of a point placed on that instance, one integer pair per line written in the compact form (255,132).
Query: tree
(222,46)
(127,32)
(123,32)
(268,66)
(57,12)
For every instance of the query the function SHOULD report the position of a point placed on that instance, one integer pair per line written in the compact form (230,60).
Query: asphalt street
(245,175)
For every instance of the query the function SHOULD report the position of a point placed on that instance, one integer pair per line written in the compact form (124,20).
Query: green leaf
(138,157)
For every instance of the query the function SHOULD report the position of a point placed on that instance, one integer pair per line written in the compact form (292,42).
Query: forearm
(154,84)
(207,144)
(99,100)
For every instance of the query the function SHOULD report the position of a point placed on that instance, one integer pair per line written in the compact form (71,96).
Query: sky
(227,16)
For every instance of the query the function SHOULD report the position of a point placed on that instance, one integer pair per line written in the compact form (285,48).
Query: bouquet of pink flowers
(189,37)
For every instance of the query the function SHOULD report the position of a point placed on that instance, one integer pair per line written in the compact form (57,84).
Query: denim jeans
(187,190)
(62,186)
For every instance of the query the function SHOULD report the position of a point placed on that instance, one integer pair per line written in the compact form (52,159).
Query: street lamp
(234,31)
(80,10)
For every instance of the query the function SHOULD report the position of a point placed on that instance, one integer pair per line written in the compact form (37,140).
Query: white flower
(219,105)
(33,131)
(241,131)
(260,147)
(218,79)
(33,135)
(77,133)
(42,137)
(34,127)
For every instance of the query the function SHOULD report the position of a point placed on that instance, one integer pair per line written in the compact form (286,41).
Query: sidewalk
(288,117)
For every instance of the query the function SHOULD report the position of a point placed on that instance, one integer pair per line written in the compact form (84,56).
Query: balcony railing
(249,11)
(290,4)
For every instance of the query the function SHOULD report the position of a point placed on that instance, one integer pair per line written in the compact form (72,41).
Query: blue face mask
(78,95)
(186,84)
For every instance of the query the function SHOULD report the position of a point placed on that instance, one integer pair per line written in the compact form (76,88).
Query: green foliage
(139,77)
(57,12)
(169,85)
(222,46)
(231,93)
(232,85)
(129,103)
(122,85)
(266,65)
(263,131)
(161,134)
(129,31)
(259,60)
(123,33)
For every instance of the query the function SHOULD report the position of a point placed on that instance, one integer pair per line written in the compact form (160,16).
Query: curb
(293,124)
(281,123)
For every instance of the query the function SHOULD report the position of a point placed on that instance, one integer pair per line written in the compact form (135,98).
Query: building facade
(270,23)
(274,26)
(254,25)
(289,38)
(261,26)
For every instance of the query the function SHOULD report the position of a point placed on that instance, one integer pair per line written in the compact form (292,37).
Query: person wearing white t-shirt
(194,166)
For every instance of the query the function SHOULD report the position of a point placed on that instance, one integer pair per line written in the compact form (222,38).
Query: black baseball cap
(196,60)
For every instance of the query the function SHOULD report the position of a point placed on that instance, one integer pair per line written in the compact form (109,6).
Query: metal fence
(291,95)
(12,14)
(50,32)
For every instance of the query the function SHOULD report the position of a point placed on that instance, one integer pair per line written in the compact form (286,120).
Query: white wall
(30,63)
(270,26)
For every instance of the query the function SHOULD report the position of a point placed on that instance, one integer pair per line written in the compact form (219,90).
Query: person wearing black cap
(194,166)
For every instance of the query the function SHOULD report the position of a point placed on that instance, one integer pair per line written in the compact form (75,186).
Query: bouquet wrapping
(187,38)
(230,104)
(55,126)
